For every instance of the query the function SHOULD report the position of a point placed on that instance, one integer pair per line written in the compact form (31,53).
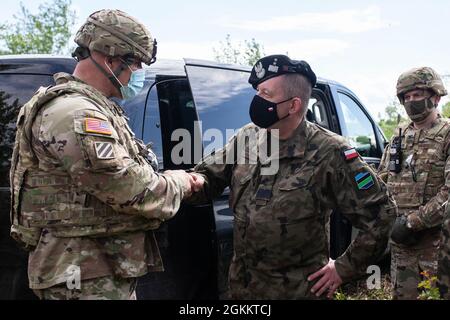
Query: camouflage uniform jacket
(281,221)
(80,180)
(421,188)
(444,258)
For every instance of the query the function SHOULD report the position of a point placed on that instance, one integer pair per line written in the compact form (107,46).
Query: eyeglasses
(132,63)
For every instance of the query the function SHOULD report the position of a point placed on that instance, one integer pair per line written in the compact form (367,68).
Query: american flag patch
(93,125)
(104,150)
(351,154)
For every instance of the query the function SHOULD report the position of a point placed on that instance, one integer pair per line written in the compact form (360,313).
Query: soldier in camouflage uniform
(85,197)
(444,258)
(416,166)
(281,218)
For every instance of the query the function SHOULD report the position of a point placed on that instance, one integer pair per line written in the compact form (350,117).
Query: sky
(365,45)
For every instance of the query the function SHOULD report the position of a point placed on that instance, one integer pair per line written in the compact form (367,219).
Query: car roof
(50,64)
(212,64)
(36,64)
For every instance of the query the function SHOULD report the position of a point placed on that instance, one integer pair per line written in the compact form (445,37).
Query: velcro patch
(104,150)
(351,154)
(364,180)
(92,125)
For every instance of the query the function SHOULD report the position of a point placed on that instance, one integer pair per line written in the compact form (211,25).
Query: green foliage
(395,115)
(253,51)
(446,110)
(244,54)
(9,108)
(48,31)
(357,290)
(429,290)
(340,295)
(363,140)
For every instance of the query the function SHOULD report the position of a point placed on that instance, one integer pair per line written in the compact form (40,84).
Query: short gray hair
(297,85)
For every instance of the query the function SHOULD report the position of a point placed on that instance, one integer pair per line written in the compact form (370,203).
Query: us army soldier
(416,165)
(84,195)
(281,219)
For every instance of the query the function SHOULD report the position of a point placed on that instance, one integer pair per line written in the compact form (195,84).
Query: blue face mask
(134,86)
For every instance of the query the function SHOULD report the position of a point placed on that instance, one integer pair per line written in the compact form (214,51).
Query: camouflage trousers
(407,264)
(105,288)
(444,260)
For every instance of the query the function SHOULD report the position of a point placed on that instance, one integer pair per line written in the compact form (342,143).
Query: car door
(222,97)
(358,126)
(186,242)
(19,79)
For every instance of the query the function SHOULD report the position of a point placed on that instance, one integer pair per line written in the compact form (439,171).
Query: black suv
(198,97)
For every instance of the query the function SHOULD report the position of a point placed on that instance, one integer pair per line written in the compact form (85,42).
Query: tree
(395,115)
(48,31)
(446,110)
(9,108)
(253,51)
(245,54)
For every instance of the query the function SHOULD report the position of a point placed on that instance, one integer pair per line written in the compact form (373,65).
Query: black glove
(401,234)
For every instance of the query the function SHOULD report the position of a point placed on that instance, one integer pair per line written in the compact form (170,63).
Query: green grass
(357,290)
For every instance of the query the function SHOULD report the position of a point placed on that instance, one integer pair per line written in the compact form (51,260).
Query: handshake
(193,182)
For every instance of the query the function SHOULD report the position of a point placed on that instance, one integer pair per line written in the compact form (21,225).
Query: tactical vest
(48,199)
(423,165)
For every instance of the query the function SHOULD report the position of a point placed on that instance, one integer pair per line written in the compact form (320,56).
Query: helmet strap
(114,75)
(81,53)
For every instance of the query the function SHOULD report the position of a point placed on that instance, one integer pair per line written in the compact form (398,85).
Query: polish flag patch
(351,154)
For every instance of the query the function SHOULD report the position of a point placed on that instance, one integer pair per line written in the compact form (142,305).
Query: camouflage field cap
(116,34)
(420,78)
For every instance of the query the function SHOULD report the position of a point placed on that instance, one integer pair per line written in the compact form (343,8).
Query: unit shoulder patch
(104,150)
(364,180)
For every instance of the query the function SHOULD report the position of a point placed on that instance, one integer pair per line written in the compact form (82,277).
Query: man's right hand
(193,182)
(402,234)
(198,181)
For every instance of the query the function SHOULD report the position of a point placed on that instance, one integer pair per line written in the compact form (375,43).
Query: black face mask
(264,113)
(419,110)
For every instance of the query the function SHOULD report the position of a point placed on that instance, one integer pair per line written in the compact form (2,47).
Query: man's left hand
(329,280)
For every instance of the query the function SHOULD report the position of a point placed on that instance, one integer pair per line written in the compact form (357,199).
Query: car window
(317,112)
(15,90)
(222,98)
(177,114)
(152,126)
(357,127)
(143,118)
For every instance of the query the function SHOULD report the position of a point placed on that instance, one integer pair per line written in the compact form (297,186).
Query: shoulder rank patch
(92,125)
(351,154)
(104,150)
(364,180)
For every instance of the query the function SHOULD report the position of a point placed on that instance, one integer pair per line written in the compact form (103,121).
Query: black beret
(276,65)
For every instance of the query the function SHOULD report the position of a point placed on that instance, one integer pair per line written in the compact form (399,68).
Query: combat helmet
(115,34)
(420,78)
